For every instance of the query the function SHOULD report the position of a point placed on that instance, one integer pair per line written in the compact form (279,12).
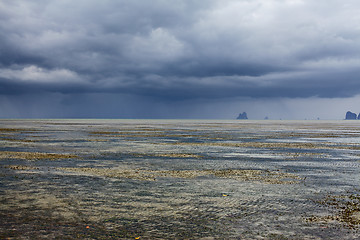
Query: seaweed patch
(347,207)
(34,155)
(264,176)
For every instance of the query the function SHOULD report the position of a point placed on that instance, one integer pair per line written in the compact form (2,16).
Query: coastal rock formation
(350,115)
(242,116)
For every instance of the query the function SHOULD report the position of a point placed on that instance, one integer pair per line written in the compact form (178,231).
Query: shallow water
(179,179)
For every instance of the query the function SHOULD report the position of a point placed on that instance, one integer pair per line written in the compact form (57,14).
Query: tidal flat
(179,179)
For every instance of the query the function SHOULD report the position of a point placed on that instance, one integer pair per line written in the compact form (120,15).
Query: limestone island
(351,116)
(242,116)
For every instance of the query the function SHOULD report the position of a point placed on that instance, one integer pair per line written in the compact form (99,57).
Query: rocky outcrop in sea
(351,116)
(242,116)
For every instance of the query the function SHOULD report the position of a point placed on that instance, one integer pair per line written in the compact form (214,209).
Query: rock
(350,115)
(242,116)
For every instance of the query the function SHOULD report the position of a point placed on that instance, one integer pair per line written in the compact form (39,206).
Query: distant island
(351,116)
(242,116)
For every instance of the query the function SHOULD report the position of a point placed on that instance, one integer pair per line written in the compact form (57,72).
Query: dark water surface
(179,179)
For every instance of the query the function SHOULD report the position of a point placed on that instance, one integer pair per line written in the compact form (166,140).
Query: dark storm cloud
(181,49)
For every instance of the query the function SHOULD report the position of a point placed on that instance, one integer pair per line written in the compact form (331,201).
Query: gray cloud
(181,50)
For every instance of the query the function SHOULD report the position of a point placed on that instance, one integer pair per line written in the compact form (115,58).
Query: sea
(179,179)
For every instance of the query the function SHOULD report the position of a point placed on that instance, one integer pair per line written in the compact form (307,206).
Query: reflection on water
(179,179)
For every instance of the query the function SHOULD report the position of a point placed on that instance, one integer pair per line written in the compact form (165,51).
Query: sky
(284,59)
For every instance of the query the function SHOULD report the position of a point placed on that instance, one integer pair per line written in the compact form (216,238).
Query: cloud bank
(181,50)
